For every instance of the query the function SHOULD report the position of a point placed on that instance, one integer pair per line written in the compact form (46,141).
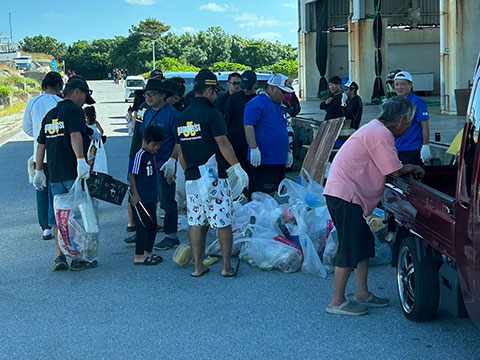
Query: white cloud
(291,5)
(249,21)
(189,29)
(218,8)
(267,36)
(140,2)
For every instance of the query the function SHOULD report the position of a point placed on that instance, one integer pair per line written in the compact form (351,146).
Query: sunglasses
(235,83)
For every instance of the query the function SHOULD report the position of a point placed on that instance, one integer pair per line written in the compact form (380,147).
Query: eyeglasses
(235,83)
(150,95)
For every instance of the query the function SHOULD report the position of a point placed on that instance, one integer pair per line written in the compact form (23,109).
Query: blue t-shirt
(270,123)
(165,119)
(413,138)
(143,166)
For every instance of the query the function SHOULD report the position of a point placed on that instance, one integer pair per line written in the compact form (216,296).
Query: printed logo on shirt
(53,129)
(149,168)
(189,131)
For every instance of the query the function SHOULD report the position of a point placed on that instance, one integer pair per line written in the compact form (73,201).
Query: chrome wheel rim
(406,279)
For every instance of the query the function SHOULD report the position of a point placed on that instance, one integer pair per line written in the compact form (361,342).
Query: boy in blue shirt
(142,176)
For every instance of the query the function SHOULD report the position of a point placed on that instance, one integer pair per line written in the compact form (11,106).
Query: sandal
(207,270)
(151,260)
(231,273)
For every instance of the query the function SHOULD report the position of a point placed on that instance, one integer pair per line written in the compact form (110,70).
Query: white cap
(280,81)
(403,75)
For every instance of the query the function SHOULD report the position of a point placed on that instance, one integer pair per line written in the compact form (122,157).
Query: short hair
(234,74)
(67,91)
(91,114)
(396,108)
(52,80)
(199,89)
(153,133)
(335,80)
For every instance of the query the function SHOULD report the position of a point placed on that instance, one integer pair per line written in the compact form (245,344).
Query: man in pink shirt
(354,188)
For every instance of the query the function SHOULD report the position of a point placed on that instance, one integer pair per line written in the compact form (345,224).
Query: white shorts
(216,211)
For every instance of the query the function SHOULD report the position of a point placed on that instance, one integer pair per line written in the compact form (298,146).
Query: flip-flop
(230,274)
(152,260)
(348,308)
(201,274)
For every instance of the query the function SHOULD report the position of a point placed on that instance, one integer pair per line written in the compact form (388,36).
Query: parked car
(436,222)
(133,83)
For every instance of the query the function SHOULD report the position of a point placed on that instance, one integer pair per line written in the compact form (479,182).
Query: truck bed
(426,208)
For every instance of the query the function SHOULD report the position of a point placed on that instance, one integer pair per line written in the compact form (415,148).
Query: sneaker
(374,301)
(47,234)
(130,241)
(79,265)
(60,263)
(167,243)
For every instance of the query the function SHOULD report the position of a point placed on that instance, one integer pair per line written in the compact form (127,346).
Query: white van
(133,83)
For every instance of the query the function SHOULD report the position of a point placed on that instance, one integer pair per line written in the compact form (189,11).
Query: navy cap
(208,78)
(78,82)
(249,78)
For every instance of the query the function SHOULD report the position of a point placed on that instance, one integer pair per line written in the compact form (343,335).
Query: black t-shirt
(353,111)
(196,129)
(234,112)
(188,98)
(57,125)
(221,101)
(137,134)
(334,109)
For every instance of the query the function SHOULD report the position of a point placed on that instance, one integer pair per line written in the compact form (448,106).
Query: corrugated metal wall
(396,11)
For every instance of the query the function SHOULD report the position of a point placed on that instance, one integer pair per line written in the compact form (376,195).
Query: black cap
(156,73)
(249,78)
(351,85)
(208,78)
(174,87)
(155,84)
(78,82)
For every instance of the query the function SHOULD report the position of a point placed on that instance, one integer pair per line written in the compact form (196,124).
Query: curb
(9,131)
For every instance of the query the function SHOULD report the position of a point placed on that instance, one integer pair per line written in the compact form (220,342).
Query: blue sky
(69,21)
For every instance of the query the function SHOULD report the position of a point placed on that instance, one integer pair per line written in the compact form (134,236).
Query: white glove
(39,180)
(83,169)
(344,99)
(169,168)
(96,136)
(241,174)
(425,153)
(289,160)
(255,157)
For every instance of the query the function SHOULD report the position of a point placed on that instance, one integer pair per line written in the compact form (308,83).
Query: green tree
(151,28)
(285,67)
(172,65)
(46,45)
(227,66)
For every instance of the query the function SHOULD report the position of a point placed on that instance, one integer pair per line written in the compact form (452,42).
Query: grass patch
(13,109)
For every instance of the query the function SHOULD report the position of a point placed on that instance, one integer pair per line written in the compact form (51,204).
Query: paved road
(120,311)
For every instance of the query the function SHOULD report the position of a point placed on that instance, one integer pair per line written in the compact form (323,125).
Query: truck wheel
(417,282)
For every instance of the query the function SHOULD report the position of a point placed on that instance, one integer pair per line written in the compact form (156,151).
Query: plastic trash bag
(180,195)
(30,169)
(308,191)
(100,159)
(77,223)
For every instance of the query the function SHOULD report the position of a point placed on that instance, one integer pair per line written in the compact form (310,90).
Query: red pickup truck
(436,248)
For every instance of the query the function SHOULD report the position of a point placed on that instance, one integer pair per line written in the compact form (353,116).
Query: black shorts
(355,239)
(266,178)
(410,157)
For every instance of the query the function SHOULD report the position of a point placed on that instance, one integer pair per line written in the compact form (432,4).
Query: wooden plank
(315,161)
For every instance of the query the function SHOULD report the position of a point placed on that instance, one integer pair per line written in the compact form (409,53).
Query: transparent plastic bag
(100,163)
(77,223)
(308,191)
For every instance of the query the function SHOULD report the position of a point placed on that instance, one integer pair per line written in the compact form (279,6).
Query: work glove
(255,157)
(344,99)
(289,160)
(240,174)
(83,169)
(96,136)
(425,153)
(39,180)
(169,168)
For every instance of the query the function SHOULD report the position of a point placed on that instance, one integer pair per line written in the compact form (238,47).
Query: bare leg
(361,274)
(130,222)
(225,238)
(341,279)
(198,237)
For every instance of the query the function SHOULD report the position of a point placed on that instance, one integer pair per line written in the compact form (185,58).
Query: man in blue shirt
(160,114)
(413,147)
(265,123)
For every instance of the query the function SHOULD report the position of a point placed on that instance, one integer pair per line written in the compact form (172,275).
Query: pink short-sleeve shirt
(361,165)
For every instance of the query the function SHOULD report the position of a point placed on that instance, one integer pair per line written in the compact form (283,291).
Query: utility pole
(153,54)
(11,34)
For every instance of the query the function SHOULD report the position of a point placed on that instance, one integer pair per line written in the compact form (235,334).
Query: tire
(417,283)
